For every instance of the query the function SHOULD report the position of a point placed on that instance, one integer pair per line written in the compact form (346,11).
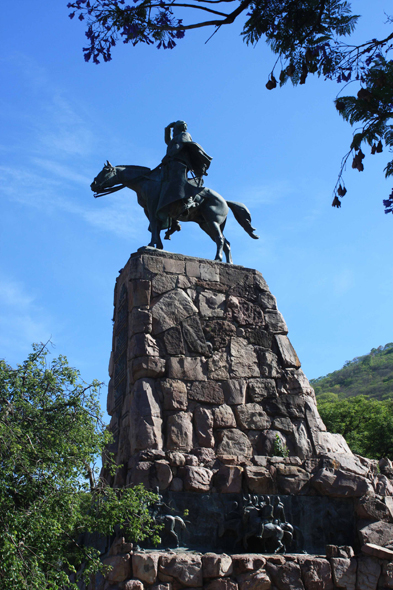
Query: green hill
(370,375)
(357,402)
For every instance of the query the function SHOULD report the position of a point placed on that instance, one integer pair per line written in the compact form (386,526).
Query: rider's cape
(176,186)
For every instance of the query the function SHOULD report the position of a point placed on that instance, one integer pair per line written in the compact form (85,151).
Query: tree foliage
(366,424)
(51,436)
(357,402)
(306,35)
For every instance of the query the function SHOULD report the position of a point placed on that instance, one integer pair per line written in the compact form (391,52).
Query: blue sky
(279,152)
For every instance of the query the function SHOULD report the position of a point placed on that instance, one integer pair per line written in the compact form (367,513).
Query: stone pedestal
(207,396)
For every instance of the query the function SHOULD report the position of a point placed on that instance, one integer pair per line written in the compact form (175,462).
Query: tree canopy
(308,37)
(366,424)
(357,402)
(51,435)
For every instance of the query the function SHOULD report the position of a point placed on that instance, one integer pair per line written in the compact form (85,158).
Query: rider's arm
(167,136)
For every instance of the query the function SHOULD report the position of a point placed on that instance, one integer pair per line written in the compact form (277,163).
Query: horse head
(105,179)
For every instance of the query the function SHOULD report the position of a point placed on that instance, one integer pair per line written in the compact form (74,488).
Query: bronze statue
(168,195)
(182,156)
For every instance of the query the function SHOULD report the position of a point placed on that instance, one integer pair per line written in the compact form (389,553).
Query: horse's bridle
(108,191)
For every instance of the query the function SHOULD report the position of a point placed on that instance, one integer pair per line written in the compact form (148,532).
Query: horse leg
(227,251)
(155,229)
(213,230)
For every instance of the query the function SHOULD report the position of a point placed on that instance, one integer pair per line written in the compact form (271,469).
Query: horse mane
(138,169)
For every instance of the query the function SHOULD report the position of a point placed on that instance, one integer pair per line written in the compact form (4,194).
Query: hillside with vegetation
(357,402)
(370,375)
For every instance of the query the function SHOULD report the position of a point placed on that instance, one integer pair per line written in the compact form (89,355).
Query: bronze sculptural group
(168,195)
(260,521)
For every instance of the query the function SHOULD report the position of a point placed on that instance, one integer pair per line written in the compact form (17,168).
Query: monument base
(209,407)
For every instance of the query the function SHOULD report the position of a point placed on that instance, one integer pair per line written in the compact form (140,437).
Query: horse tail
(243,217)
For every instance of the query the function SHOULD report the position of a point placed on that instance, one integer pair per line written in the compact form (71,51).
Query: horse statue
(210,212)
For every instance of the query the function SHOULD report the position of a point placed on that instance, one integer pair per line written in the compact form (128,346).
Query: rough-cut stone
(275,322)
(317,574)
(163,283)
(185,568)
(145,412)
(302,446)
(173,341)
(258,389)
(145,566)
(244,312)
(377,551)
(234,391)
(291,479)
(286,576)
(246,562)
(283,423)
(371,508)
(197,479)
(164,474)
(148,366)
(133,585)
(194,336)
(217,366)
(233,442)
(221,584)
(224,417)
(268,364)
(386,580)
(191,459)
(287,352)
(258,337)
(212,305)
(219,333)
(326,442)
(267,301)
(216,566)
(121,568)
(377,533)
(383,485)
(368,572)
(140,474)
(179,432)
(175,394)
(228,479)
(140,293)
(259,480)
(176,459)
(171,309)
(254,581)
(140,321)
(252,417)
(204,427)
(162,587)
(205,456)
(143,345)
(186,368)
(341,484)
(207,392)
(344,572)
(244,361)
(267,441)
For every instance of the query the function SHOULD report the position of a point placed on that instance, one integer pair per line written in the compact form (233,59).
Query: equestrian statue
(169,195)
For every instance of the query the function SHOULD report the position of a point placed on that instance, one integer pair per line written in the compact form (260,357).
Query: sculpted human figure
(168,196)
(182,156)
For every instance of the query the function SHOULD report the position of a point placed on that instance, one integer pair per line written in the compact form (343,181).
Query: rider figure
(182,155)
